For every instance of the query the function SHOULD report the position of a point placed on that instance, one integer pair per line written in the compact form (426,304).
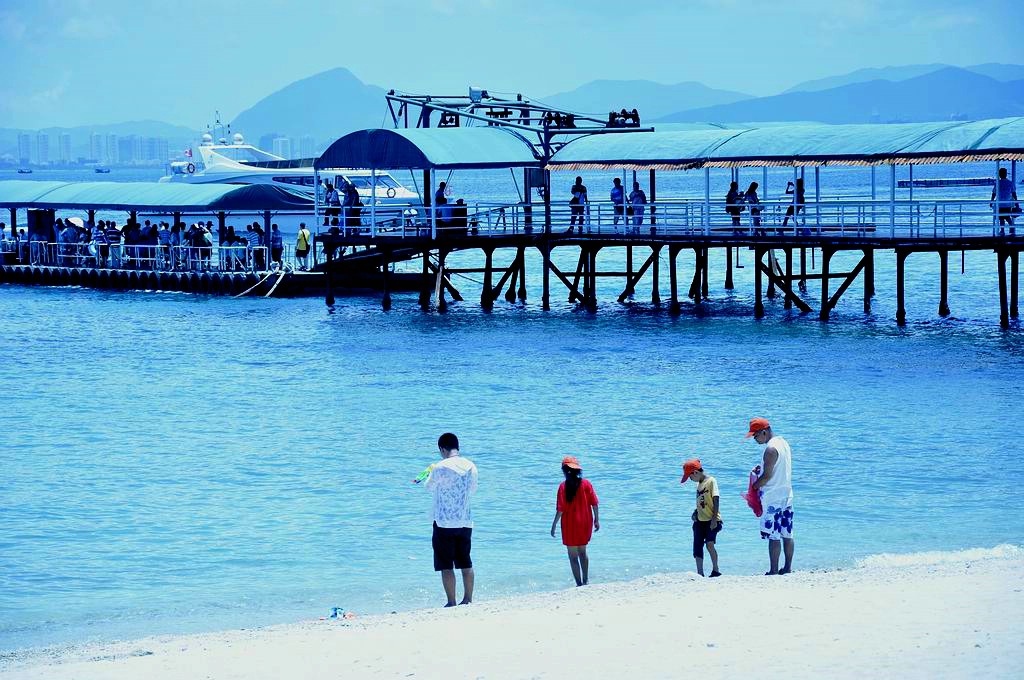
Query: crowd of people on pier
(769,494)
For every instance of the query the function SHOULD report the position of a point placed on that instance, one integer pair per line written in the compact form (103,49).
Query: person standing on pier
(638,202)
(576,507)
(775,487)
(797,191)
(302,246)
(276,245)
(734,206)
(1005,196)
(754,203)
(333,202)
(452,481)
(577,204)
(617,195)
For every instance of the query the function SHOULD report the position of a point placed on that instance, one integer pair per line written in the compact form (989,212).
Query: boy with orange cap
(707,521)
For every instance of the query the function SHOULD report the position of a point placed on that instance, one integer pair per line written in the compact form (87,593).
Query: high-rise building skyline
(64,147)
(97,150)
(283,147)
(42,148)
(307,147)
(112,156)
(24,149)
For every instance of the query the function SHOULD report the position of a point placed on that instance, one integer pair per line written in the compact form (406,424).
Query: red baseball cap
(571,462)
(756,425)
(689,467)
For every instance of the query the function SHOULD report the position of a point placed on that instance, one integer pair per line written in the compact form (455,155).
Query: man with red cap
(775,486)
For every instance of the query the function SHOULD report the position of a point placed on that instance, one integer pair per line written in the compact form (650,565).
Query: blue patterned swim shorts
(777,523)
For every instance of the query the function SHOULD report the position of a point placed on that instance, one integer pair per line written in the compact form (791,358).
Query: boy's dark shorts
(451,548)
(702,534)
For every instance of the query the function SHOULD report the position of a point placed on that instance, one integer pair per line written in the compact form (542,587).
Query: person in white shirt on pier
(775,487)
(452,481)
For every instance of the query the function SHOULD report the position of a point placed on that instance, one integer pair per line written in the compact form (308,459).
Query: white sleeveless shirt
(778,492)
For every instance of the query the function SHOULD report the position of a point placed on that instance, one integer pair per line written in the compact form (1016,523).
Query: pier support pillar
(771,265)
(826,258)
(581,266)
(486,296)
(442,304)
(803,270)
(694,292)
(386,278)
(758,303)
(943,283)
(704,273)
(510,292)
(522,274)
(789,277)
(673,277)
(901,308)
(728,267)
(1004,313)
(591,301)
(629,263)
(869,271)
(1014,277)
(546,295)
(655,292)
(425,282)
(869,278)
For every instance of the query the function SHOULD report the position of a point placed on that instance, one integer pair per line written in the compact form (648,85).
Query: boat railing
(234,258)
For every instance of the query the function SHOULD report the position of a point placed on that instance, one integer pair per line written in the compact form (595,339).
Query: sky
(85,62)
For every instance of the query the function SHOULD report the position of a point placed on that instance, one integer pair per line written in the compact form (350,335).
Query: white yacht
(240,163)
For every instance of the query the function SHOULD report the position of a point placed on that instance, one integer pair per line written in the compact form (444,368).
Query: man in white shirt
(775,487)
(452,481)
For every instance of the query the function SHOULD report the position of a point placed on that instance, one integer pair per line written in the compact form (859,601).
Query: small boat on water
(24,171)
(102,171)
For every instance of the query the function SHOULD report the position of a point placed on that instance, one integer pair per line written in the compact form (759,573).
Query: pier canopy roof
(798,144)
(149,196)
(426,148)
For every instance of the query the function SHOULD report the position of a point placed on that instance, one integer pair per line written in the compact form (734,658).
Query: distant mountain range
(332,103)
(651,99)
(947,94)
(1004,72)
(324,106)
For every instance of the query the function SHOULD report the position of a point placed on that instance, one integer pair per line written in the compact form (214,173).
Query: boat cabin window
(296,180)
(245,154)
(384,182)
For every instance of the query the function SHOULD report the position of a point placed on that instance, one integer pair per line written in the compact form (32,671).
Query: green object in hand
(423,475)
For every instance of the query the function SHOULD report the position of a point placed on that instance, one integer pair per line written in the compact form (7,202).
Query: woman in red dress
(577,508)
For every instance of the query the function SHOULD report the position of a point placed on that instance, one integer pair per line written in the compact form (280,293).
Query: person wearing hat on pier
(576,507)
(707,521)
(775,486)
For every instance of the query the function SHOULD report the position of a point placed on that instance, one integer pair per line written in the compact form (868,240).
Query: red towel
(752,497)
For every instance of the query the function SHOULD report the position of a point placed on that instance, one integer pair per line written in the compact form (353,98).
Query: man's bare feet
(466,602)
(450,604)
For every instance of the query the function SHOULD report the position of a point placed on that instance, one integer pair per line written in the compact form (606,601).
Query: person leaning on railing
(1004,195)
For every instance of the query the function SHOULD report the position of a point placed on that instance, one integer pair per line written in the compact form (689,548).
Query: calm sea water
(176,462)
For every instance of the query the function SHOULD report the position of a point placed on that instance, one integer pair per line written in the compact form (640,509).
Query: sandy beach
(930,615)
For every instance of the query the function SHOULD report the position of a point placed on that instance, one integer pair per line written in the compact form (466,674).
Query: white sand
(945,615)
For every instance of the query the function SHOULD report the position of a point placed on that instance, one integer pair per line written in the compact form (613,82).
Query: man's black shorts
(451,548)
(702,534)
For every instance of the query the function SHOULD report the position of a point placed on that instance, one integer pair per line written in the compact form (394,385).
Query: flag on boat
(188,152)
